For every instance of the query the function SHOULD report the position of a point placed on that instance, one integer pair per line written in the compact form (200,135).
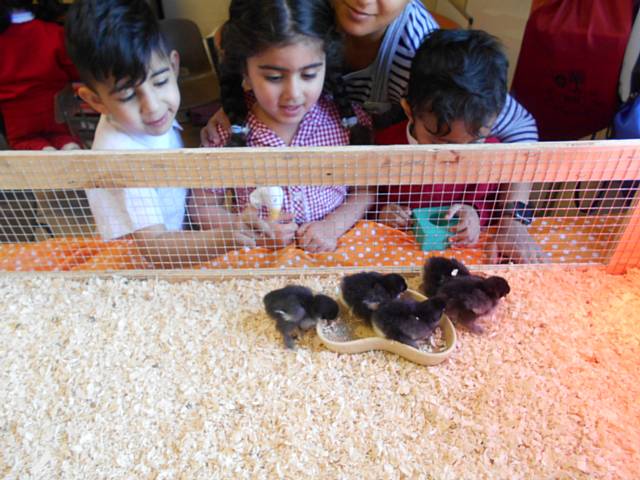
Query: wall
(208,14)
(504,18)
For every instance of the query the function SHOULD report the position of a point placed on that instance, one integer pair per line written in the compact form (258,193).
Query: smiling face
(367,18)
(148,108)
(287,82)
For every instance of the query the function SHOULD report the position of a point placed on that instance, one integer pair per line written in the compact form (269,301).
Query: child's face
(145,109)
(287,82)
(367,18)
(424,124)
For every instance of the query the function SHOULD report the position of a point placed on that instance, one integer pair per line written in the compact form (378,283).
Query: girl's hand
(270,234)
(284,232)
(249,221)
(467,231)
(395,216)
(317,237)
(209,134)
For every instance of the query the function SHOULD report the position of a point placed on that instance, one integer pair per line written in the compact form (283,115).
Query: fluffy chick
(295,308)
(408,321)
(364,292)
(469,297)
(438,270)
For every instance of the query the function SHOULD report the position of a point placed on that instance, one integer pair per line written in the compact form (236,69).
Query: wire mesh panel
(236,211)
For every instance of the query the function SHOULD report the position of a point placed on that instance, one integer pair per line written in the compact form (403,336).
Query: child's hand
(467,231)
(395,216)
(209,134)
(317,237)
(270,234)
(284,232)
(249,220)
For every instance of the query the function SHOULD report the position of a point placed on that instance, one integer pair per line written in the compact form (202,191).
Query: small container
(349,334)
(431,228)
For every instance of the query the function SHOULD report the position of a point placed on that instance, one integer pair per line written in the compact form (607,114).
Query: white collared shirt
(410,138)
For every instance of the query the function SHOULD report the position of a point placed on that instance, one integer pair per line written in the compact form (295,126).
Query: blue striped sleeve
(515,124)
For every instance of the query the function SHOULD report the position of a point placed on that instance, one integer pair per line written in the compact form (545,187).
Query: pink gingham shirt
(321,126)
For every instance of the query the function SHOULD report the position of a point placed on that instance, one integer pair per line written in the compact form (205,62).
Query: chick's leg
(288,331)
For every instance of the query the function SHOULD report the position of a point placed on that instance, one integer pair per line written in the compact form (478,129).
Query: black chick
(469,297)
(438,270)
(296,308)
(364,292)
(409,321)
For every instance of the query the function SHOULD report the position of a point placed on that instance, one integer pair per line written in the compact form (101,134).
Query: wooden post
(627,252)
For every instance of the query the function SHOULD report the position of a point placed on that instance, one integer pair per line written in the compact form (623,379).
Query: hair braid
(232,95)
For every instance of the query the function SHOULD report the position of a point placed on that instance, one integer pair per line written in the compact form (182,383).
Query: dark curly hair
(256,26)
(113,38)
(47,10)
(459,75)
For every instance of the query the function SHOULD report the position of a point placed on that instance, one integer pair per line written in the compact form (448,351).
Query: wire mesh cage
(260,211)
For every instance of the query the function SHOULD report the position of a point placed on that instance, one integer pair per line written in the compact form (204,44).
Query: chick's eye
(273,78)
(309,76)
(161,82)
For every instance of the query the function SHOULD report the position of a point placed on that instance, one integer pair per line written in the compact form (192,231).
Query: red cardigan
(480,196)
(34,66)
(34,60)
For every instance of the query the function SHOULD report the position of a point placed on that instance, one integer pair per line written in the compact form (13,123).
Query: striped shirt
(385,81)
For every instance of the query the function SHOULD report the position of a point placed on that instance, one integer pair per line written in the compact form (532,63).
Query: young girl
(34,67)
(380,38)
(279,70)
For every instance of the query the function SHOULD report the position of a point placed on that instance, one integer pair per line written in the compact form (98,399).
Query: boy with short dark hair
(130,77)
(457,89)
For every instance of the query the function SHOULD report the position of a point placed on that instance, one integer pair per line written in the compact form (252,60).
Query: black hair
(256,26)
(47,10)
(459,75)
(113,38)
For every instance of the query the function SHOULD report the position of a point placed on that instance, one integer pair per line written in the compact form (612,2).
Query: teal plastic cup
(431,228)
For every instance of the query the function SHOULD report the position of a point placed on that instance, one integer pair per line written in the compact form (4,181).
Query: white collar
(22,16)
(410,138)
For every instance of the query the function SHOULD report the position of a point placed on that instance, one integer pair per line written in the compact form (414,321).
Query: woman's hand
(395,216)
(209,134)
(467,230)
(513,243)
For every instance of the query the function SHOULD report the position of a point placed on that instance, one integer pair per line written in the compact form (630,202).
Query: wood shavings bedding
(146,379)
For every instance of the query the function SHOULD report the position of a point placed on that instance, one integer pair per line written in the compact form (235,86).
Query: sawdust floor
(132,379)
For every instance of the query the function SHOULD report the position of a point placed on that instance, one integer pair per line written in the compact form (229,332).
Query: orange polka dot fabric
(367,245)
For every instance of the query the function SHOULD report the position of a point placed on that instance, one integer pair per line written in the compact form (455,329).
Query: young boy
(457,89)
(130,78)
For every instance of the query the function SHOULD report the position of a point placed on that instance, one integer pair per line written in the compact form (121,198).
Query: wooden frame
(506,163)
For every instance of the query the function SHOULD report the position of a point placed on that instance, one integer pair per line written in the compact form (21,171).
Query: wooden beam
(627,252)
(502,163)
(182,275)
